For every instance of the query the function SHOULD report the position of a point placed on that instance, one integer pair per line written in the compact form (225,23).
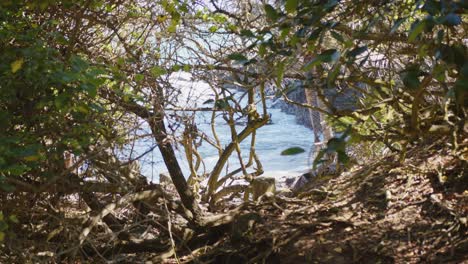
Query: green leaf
(337,36)
(330,55)
(271,12)
(209,101)
(232,27)
(416,30)
(262,50)
(330,5)
(284,33)
(460,91)
(61,101)
(172,28)
(247,33)
(32,158)
(16,65)
(222,104)
(440,35)
(280,73)
(357,51)
(8,187)
(331,78)
(157,71)
(315,34)
(453,54)
(336,145)
(411,80)
(238,58)
(213,29)
(3,225)
(318,160)
(292,151)
(439,72)
(13,219)
(464,70)
(397,24)
(452,20)
(83,108)
(176,67)
(90,89)
(343,157)
(431,7)
(291,6)
(410,77)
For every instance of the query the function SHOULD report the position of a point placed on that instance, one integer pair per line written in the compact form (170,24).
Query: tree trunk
(186,195)
(156,121)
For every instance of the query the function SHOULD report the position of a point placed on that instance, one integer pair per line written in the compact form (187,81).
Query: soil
(393,210)
(397,209)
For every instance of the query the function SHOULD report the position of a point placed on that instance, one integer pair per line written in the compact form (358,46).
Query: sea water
(282,133)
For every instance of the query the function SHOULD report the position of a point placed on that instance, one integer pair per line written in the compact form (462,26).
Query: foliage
(406,60)
(48,101)
(292,151)
(89,79)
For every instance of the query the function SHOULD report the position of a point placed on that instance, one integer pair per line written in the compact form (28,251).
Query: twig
(169,229)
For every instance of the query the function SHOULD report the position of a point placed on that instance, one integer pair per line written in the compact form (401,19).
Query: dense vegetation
(82,81)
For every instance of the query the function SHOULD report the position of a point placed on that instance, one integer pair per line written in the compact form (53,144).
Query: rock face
(340,99)
(302,114)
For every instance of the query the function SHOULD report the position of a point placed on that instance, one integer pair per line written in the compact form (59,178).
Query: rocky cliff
(302,114)
(341,99)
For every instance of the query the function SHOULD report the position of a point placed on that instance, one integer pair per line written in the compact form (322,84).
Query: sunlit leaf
(16,65)
(291,6)
(416,30)
(32,158)
(213,29)
(157,71)
(172,28)
(280,73)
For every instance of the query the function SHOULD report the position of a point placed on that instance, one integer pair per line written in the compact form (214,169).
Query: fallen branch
(125,200)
